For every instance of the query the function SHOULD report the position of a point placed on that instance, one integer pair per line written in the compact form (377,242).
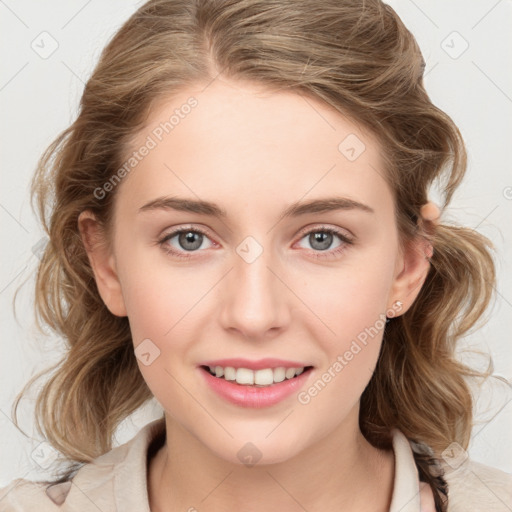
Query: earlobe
(102,261)
(413,267)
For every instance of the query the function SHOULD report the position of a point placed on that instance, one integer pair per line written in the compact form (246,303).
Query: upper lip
(260,364)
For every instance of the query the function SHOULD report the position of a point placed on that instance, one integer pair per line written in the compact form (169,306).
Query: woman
(302,347)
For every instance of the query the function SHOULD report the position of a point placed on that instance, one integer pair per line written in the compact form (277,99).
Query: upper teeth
(264,377)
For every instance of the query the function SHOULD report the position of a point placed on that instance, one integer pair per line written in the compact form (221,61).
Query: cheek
(159,298)
(352,298)
(351,306)
(162,307)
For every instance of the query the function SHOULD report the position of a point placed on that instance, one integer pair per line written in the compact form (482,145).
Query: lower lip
(252,396)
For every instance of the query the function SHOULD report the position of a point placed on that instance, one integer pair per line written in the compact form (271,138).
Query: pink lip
(268,362)
(253,396)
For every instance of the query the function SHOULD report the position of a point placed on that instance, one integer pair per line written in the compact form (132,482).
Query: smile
(264,377)
(255,388)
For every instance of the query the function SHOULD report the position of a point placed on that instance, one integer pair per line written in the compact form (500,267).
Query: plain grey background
(50,48)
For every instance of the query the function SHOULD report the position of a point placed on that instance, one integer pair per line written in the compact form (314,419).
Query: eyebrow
(294,210)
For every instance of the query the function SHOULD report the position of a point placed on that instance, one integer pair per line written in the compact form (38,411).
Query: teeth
(229,373)
(244,376)
(264,377)
(279,374)
(290,372)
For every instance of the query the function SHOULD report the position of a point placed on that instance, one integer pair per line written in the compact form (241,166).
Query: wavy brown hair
(355,56)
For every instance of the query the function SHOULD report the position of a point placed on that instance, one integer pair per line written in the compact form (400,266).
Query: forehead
(243,142)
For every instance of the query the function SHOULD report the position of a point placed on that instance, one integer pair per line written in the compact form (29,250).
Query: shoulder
(115,480)
(22,495)
(477,487)
(91,488)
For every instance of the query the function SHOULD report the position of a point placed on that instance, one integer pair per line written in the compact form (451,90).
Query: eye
(320,239)
(187,240)
(190,240)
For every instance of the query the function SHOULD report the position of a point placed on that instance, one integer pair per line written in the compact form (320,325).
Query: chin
(259,451)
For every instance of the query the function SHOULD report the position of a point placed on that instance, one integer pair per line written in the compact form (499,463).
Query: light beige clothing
(117,482)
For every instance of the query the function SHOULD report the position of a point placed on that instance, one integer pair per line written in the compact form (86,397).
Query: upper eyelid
(337,230)
(176,231)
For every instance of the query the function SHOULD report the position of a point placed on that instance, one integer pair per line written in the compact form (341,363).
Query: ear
(102,262)
(413,265)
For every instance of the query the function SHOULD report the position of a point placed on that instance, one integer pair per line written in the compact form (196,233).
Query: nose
(255,298)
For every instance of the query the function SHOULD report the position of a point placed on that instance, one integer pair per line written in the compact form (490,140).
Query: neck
(340,472)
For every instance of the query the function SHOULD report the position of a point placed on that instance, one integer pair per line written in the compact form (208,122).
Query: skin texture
(254,152)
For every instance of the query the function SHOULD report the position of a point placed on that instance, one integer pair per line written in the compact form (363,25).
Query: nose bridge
(255,300)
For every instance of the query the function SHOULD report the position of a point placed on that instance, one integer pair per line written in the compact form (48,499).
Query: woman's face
(311,288)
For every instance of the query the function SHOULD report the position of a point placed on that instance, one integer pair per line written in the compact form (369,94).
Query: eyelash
(317,254)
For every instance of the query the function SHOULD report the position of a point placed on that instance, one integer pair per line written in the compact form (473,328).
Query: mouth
(261,378)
